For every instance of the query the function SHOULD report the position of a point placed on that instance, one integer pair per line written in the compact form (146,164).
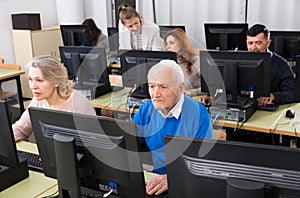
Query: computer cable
(273,131)
(129,95)
(108,193)
(295,131)
(115,99)
(131,112)
(237,127)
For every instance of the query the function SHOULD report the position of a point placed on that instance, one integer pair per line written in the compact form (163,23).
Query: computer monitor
(227,169)
(86,64)
(135,65)
(163,29)
(240,72)
(76,35)
(297,92)
(226,36)
(106,152)
(11,169)
(87,67)
(285,43)
(113,38)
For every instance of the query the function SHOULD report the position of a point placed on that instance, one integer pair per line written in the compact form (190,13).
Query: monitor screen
(240,71)
(163,29)
(85,64)
(226,36)
(226,169)
(113,38)
(76,35)
(106,150)
(285,43)
(135,65)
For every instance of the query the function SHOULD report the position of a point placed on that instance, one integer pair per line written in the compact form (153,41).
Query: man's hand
(157,185)
(206,100)
(263,101)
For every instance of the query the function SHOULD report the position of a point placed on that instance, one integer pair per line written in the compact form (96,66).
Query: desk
(260,121)
(114,101)
(271,122)
(36,185)
(287,126)
(6,75)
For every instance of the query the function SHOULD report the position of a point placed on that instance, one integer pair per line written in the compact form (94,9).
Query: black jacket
(283,80)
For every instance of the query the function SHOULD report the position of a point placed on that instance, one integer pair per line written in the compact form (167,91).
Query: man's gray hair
(169,65)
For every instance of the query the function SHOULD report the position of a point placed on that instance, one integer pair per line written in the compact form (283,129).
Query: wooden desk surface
(287,126)
(7,73)
(115,100)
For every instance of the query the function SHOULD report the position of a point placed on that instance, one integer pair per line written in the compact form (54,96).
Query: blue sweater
(193,121)
(283,81)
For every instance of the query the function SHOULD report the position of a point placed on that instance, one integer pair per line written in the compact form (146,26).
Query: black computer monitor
(113,38)
(163,29)
(85,64)
(297,92)
(227,169)
(239,72)
(106,151)
(76,35)
(135,65)
(285,43)
(226,36)
(11,169)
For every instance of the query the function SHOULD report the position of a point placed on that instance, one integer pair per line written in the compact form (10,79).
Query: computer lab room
(150,99)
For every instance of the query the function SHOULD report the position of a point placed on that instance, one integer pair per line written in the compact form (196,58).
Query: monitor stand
(237,188)
(67,170)
(12,175)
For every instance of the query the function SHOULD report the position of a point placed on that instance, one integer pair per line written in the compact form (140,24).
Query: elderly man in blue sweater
(169,112)
(283,81)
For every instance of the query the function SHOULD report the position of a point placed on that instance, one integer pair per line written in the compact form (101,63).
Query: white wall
(276,14)
(47,9)
(49,17)
(96,9)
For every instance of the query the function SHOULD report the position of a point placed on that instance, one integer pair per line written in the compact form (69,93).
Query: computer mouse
(290,113)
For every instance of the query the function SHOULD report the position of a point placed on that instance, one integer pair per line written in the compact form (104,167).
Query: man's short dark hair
(257,29)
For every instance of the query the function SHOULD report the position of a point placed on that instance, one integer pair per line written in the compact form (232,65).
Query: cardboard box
(26,21)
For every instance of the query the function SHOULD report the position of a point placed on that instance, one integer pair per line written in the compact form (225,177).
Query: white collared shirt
(175,112)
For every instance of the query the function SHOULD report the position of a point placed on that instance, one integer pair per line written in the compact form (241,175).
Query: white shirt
(175,112)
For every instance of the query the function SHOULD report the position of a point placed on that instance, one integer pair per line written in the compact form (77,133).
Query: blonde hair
(52,70)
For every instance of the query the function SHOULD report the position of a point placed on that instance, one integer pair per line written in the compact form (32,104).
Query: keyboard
(270,107)
(33,160)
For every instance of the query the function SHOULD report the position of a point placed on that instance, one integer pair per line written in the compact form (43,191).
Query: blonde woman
(51,89)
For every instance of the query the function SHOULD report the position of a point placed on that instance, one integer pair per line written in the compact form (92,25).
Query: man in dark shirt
(283,81)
